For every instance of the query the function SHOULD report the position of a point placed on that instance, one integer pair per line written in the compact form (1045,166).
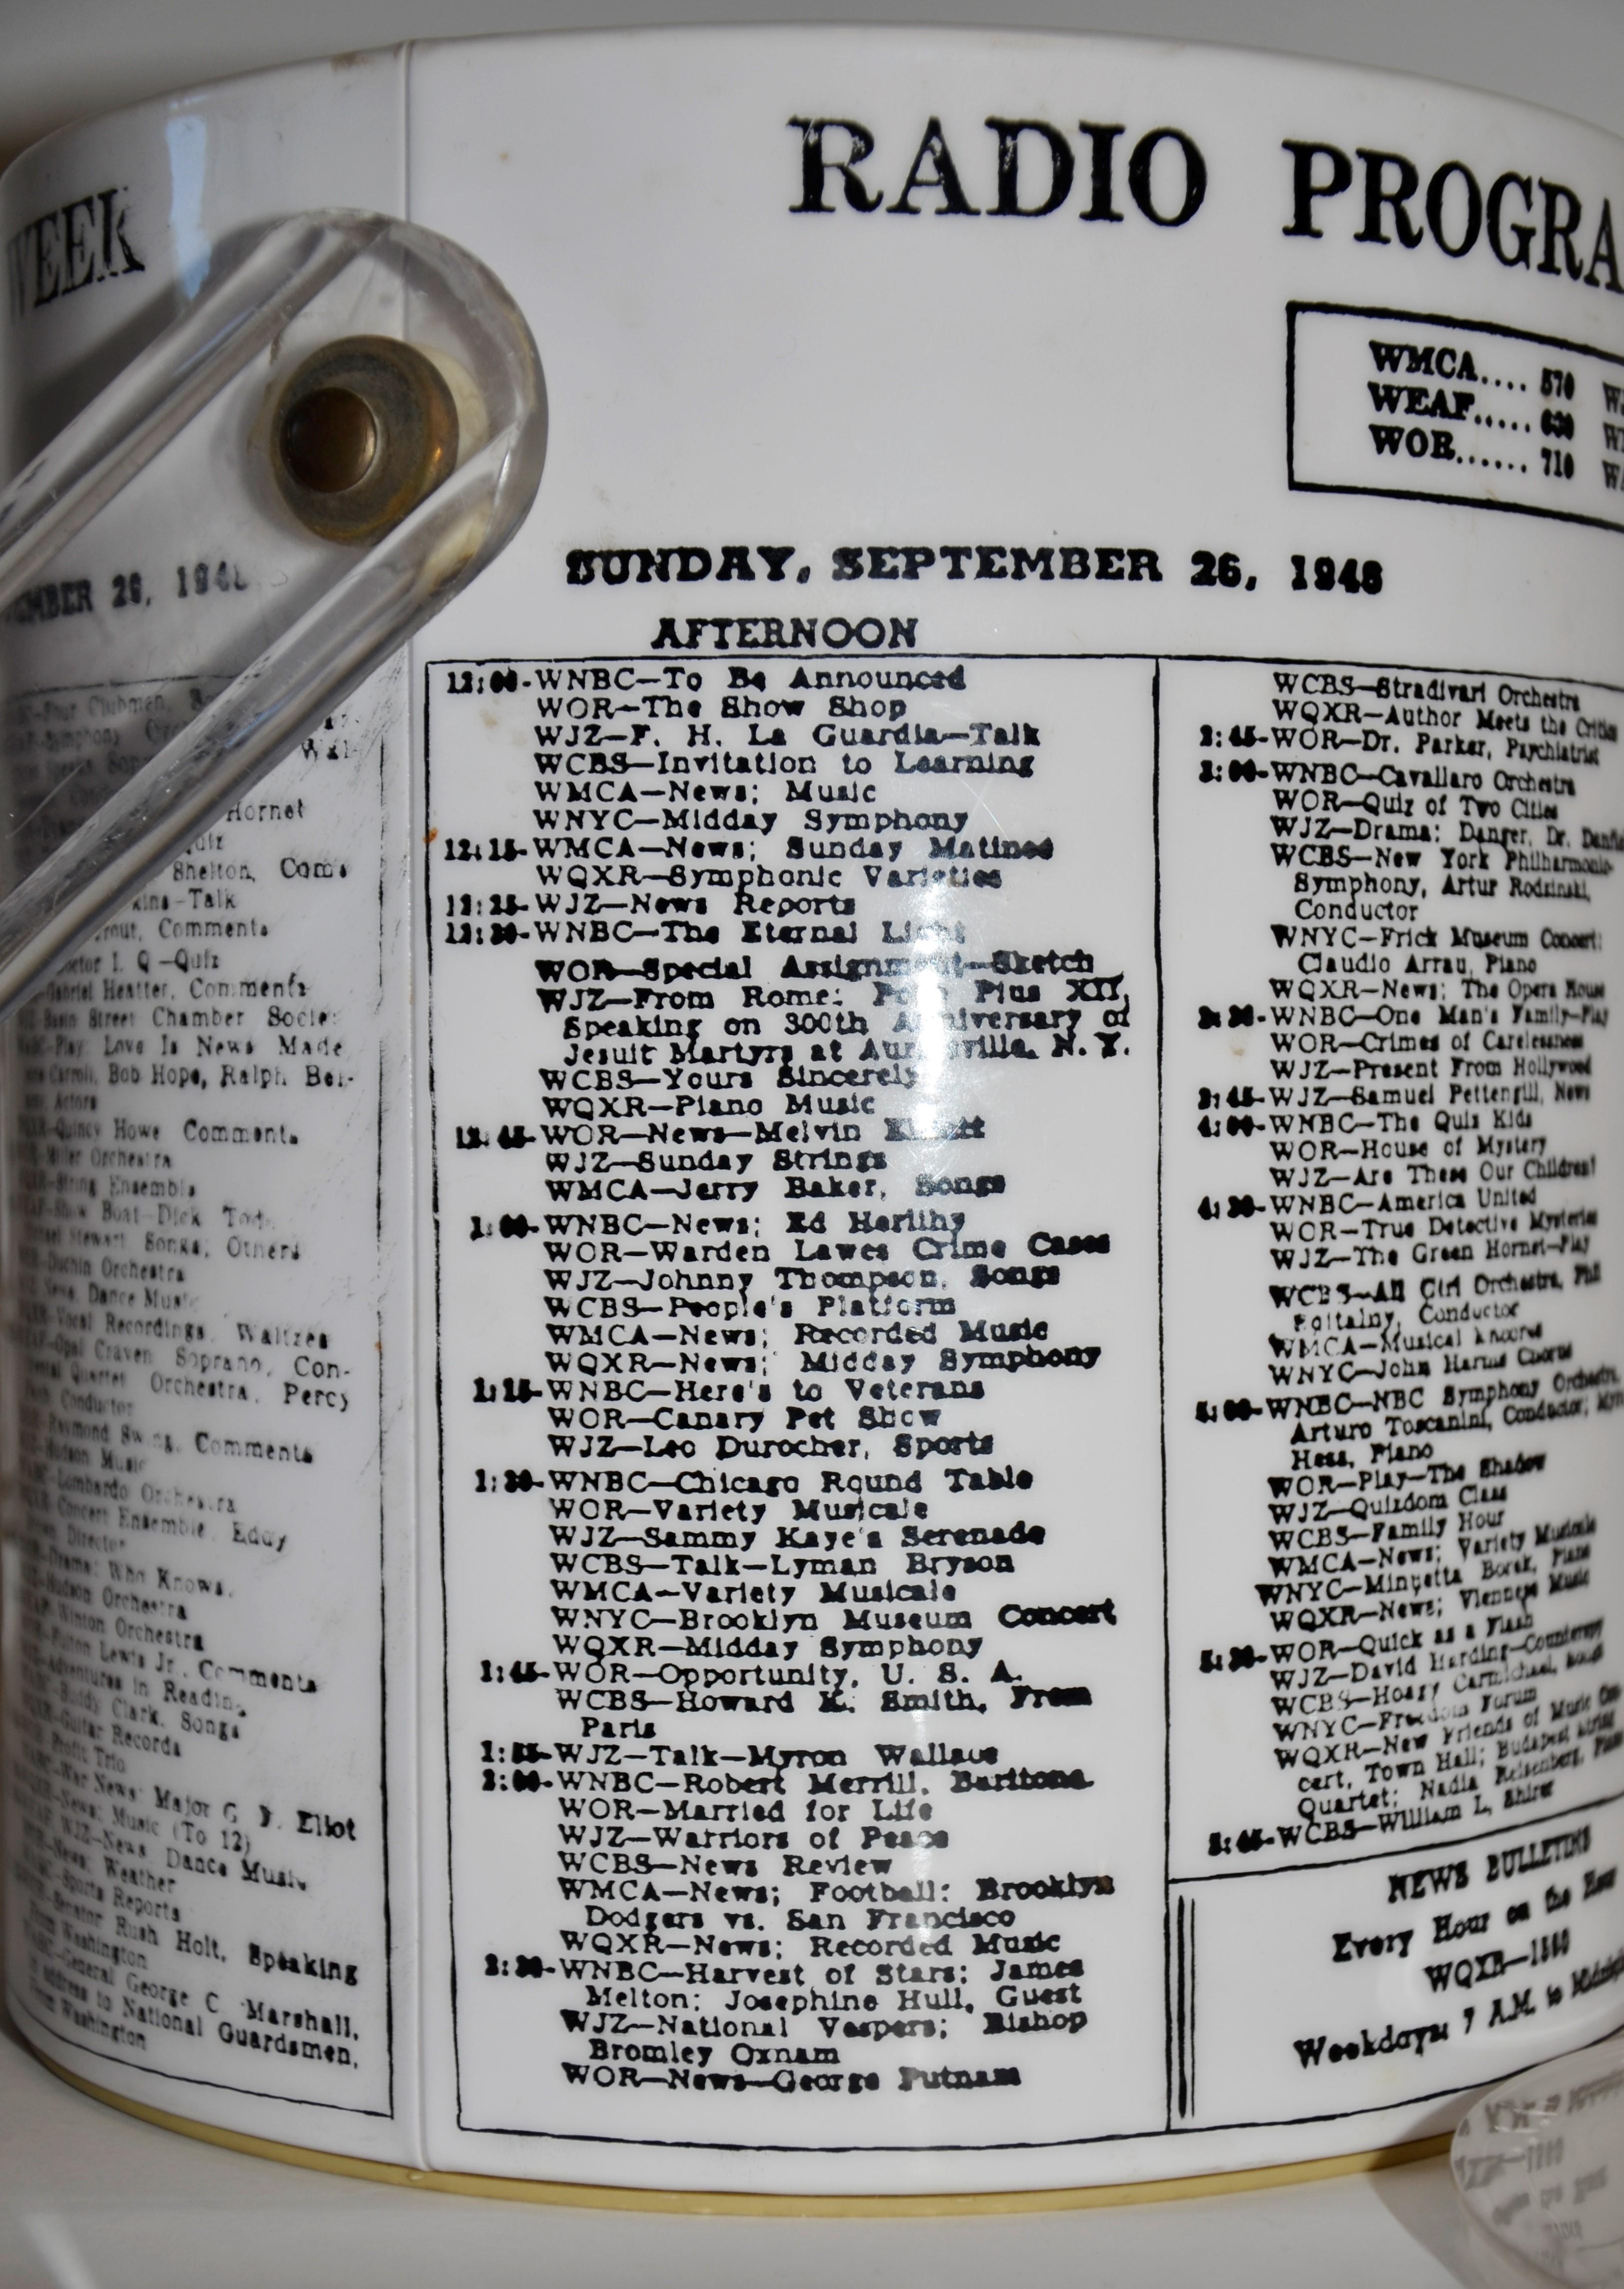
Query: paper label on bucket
(786,1280)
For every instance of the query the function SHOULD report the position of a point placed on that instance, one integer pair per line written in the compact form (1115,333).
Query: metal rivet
(362,431)
(328,440)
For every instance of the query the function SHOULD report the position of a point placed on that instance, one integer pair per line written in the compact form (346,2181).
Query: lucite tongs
(357,407)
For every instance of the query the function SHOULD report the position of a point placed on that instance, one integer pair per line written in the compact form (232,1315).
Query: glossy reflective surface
(1539,2166)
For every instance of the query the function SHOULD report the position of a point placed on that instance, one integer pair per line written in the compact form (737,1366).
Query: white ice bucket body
(815,1368)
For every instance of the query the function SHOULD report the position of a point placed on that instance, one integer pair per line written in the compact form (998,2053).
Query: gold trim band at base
(740,2205)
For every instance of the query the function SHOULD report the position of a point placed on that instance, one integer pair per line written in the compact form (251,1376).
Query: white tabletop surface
(92,2199)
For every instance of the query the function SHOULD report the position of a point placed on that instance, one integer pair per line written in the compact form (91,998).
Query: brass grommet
(363,430)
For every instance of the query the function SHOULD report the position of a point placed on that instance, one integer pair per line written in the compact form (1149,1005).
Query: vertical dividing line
(1192,2002)
(1161,1408)
(1180,1990)
(384,1449)
(440,1522)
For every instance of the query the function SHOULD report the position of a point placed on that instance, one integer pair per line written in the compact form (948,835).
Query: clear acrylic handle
(360,405)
